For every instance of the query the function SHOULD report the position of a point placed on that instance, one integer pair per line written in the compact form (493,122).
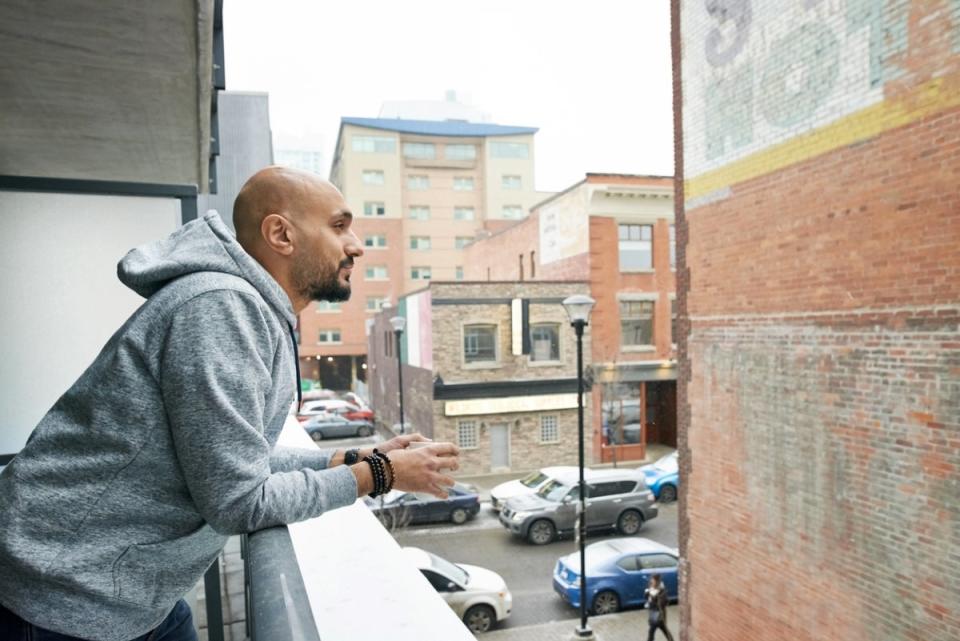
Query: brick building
(489,366)
(617,231)
(819,150)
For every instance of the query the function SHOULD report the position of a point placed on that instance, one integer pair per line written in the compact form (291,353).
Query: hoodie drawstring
(296,362)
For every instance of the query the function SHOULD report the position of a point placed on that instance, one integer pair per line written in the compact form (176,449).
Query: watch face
(351,457)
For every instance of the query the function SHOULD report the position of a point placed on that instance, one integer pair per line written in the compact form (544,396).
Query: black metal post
(581,525)
(400,379)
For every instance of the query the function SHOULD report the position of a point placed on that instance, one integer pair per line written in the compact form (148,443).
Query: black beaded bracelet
(386,459)
(379,475)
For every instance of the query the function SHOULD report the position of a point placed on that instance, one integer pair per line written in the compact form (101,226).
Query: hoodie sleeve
(215,377)
(287,459)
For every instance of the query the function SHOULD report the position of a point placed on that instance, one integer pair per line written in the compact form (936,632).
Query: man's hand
(424,469)
(401,442)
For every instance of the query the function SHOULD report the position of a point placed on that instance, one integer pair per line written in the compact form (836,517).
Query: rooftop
(439,127)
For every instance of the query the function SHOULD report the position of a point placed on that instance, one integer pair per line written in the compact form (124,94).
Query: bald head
(276,190)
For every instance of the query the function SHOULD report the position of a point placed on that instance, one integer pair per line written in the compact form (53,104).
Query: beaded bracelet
(386,459)
(379,475)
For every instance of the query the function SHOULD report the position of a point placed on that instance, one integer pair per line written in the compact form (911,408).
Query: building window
(520,265)
(388,338)
(460,152)
(419,242)
(533,264)
(463,183)
(673,246)
(545,342)
(459,272)
(374,209)
(480,344)
(329,336)
(376,272)
(509,149)
(636,247)
(674,331)
(419,150)
(420,273)
(462,241)
(418,182)
(375,241)
(636,322)
(374,144)
(463,213)
(468,437)
(372,177)
(549,430)
(511,182)
(419,212)
(327,307)
(375,303)
(512,212)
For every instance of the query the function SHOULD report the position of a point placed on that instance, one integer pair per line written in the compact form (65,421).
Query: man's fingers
(444,449)
(416,437)
(445,480)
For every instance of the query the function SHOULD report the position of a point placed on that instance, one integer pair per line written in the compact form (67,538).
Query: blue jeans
(178,626)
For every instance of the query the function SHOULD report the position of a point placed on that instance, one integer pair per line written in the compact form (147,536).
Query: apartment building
(617,232)
(489,366)
(420,191)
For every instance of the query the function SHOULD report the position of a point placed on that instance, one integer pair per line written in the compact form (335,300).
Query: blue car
(399,509)
(663,478)
(618,571)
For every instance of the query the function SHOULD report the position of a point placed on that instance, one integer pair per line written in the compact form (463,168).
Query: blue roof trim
(439,127)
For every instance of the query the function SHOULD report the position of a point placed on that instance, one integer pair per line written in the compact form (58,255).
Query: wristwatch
(351,457)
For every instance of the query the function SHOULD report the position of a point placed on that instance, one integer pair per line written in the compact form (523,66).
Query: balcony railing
(339,577)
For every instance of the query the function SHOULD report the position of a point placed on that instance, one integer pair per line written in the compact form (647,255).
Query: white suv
(529,484)
(478,596)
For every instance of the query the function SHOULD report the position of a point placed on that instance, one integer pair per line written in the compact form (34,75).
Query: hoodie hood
(203,245)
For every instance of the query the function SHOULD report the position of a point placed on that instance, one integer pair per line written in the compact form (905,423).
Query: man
(128,488)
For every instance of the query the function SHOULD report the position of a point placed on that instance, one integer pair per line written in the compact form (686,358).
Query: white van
(529,484)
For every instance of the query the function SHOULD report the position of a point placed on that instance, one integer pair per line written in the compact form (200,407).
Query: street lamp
(578,309)
(399,322)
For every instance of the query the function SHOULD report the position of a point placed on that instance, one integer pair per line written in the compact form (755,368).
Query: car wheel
(363,430)
(630,522)
(459,516)
(316,436)
(480,618)
(541,532)
(606,602)
(668,493)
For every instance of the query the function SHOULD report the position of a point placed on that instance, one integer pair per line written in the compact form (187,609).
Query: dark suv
(615,499)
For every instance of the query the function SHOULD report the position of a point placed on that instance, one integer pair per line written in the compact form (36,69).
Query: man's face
(322,269)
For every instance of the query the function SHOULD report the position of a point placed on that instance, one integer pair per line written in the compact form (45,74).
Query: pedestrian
(657,600)
(128,488)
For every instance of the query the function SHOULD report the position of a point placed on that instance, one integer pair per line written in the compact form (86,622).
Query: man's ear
(277,234)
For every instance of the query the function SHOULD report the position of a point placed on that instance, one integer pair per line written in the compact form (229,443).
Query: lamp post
(399,322)
(578,309)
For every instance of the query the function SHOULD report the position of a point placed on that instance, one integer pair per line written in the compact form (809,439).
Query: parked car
(527,485)
(345,409)
(399,509)
(663,477)
(615,499)
(479,596)
(618,571)
(327,425)
(356,399)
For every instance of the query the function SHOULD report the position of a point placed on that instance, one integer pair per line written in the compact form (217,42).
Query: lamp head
(398,322)
(578,308)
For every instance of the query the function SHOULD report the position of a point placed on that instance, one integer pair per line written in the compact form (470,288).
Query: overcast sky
(593,76)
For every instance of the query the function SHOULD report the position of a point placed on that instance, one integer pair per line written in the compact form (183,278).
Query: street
(527,569)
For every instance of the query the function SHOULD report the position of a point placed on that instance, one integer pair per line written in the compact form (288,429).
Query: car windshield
(533,479)
(451,570)
(553,491)
(667,464)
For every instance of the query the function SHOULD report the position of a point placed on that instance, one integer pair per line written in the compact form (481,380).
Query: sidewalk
(486,482)
(622,626)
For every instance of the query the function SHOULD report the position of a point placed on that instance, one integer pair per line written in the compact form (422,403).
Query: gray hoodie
(127,489)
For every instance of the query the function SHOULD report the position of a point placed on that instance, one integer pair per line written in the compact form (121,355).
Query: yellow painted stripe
(926,100)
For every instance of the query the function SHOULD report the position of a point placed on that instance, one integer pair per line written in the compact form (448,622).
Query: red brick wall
(819,401)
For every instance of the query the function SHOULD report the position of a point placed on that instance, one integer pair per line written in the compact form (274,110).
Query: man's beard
(318,282)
